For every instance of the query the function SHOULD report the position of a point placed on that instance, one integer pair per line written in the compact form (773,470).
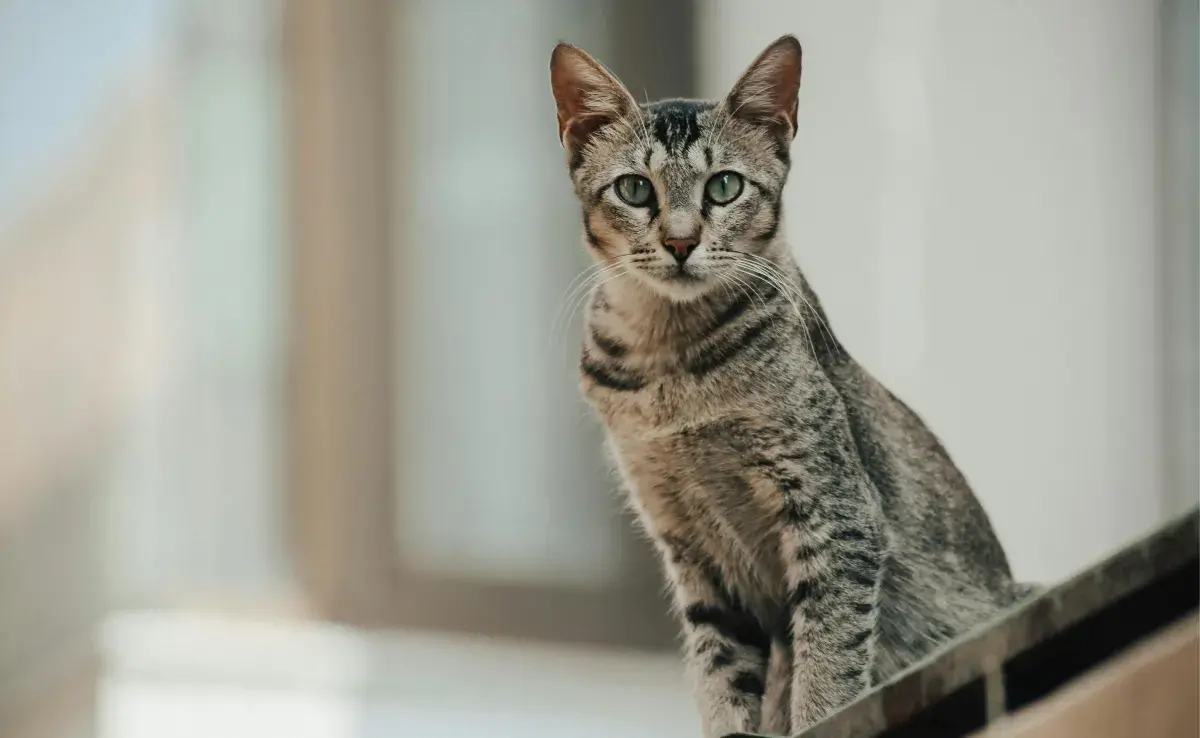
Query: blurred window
(481,501)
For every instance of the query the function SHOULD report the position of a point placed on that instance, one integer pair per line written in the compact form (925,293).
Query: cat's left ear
(767,92)
(587,95)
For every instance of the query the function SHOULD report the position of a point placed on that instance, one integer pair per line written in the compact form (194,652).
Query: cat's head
(681,194)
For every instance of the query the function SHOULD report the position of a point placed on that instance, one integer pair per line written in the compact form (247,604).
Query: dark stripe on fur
(605,377)
(738,307)
(714,357)
(592,239)
(609,346)
(862,560)
(738,626)
(722,658)
(682,554)
(795,513)
(858,640)
(833,459)
(764,191)
(748,683)
(808,551)
(733,311)
(800,594)
(773,229)
(809,592)
(861,578)
(853,675)
(674,122)
(849,534)
(783,152)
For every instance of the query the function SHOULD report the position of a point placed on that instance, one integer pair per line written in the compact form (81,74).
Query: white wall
(974,199)
(1179,29)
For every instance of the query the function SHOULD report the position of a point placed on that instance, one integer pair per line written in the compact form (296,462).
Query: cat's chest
(703,486)
(669,397)
(662,399)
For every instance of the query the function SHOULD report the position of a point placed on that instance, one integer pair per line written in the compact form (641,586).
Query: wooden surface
(1151,692)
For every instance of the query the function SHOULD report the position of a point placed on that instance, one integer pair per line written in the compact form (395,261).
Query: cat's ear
(767,92)
(588,96)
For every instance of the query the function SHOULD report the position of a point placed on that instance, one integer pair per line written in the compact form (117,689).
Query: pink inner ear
(587,96)
(571,76)
(768,91)
(789,94)
(580,129)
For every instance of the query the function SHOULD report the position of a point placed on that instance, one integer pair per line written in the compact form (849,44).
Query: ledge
(1037,647)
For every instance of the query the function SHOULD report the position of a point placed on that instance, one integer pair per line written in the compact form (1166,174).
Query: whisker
(591,278)
(579,283)
(773,275)
(821,323)
(757,294)
(597,281)
(605,279)
(776,280)
(569,290)
(746,286)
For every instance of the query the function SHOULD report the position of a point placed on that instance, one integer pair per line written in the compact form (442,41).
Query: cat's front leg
(834,550)
(834,578)
(725,647)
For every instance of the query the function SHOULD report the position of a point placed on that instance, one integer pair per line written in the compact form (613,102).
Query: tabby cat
(816,535)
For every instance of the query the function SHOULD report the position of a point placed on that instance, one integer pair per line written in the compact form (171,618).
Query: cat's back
(925,496)
(947,571)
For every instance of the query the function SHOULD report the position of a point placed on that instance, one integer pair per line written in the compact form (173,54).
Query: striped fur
(816,535)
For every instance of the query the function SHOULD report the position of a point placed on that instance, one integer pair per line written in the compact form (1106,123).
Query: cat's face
(682,195)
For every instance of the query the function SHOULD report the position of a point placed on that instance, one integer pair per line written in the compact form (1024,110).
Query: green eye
(635,190)
(724,187)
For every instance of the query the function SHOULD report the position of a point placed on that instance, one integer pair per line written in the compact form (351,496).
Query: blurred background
(290,444)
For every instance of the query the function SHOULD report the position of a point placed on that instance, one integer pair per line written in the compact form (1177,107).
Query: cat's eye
(635,190)
(724,187)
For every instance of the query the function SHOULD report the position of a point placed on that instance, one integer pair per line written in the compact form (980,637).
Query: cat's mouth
(681,282)
(681,273)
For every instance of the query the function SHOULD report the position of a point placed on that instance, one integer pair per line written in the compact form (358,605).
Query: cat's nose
(681,248)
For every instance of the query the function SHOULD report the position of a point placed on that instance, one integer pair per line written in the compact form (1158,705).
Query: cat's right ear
(588,96)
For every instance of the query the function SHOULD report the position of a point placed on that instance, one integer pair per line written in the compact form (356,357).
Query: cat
(816,535)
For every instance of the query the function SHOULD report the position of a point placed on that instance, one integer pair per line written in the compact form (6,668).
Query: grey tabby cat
(816,535)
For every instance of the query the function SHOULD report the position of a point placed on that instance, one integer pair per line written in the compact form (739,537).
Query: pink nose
(681,248)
